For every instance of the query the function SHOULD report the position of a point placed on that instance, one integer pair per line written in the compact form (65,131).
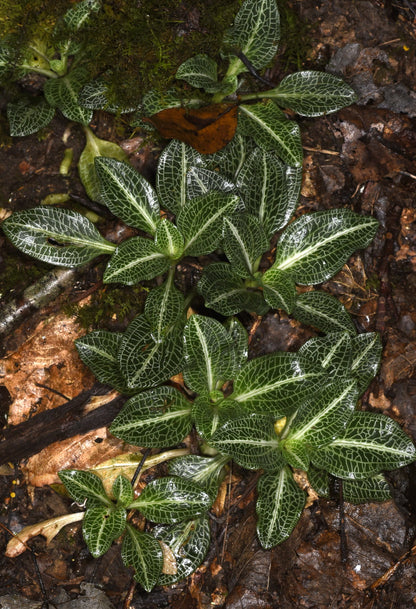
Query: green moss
(295,39)
(109,307)
(17,274)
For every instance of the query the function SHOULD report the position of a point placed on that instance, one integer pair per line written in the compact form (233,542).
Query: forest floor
(363,157)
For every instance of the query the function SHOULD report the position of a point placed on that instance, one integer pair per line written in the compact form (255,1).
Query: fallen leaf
(206,129)
(48,528)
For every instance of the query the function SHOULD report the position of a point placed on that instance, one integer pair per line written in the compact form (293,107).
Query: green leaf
(143,552)
(227,293)
(28,116)
(164,306)
(147,360)
(319,481)
(189,542)
(375,488)
(77,16)
(169,240)
(154,101)
(135,260)
(63,93)
(244,241)
(255,33)
(331,353)
(200,222)
(293,184)
(156,418)
(209,416)
(271,130)
(262,182)
(83,485)
(172,499)
(209,354)
(174,163)
(127,194)
(251,441)
(279,290)
(297,454)
(371,443)
(99,351)
(94,148)
(101,526)
(279,506)
(239,336)
(94,95)
(312,93)
(208,472)
(366,354)
(7,60)
(230,159)
(275,383)
(323,311)
(325,415)
(199,72)
(200,181)
(123,491)
(58,236)
(316,246)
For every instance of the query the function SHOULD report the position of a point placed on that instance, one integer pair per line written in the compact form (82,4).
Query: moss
(17,274)
(136,45)
(295,40)
(110,308)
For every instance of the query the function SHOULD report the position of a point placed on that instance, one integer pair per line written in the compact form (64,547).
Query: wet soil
(362,157)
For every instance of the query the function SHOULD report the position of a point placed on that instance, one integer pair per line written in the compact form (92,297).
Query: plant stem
(42,71)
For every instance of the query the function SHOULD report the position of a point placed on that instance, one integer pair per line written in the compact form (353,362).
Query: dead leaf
(48,528)
(206,129)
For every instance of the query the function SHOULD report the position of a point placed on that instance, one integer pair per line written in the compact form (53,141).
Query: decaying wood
(72,418)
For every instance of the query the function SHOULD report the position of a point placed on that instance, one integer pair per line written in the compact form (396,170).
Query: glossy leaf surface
(83,485)
(135,260)
(279,506)
(171,499)
(127,194)
(231,159)
(209,354)
(271,130)
(316,246)
(227,293)
(146,360)
(155,418)
(122,491)
(375,488)
(262,181)
(200,181)
(324,417)
(58,236)
(99,351)
(244,241)
(208,472)
(323,311)
(174,164)
(200,222)
(164,306)
(251,441)
(142,552)
(168,240)
(371,443)
(101,526)
(255,33)
(311,93)
(189,542)
(331,353)
(366,354)
(209,416)
(274,383)
(279,290)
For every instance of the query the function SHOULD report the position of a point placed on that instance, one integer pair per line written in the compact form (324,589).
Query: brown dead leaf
(206,129)
(48,528)
(48,358)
